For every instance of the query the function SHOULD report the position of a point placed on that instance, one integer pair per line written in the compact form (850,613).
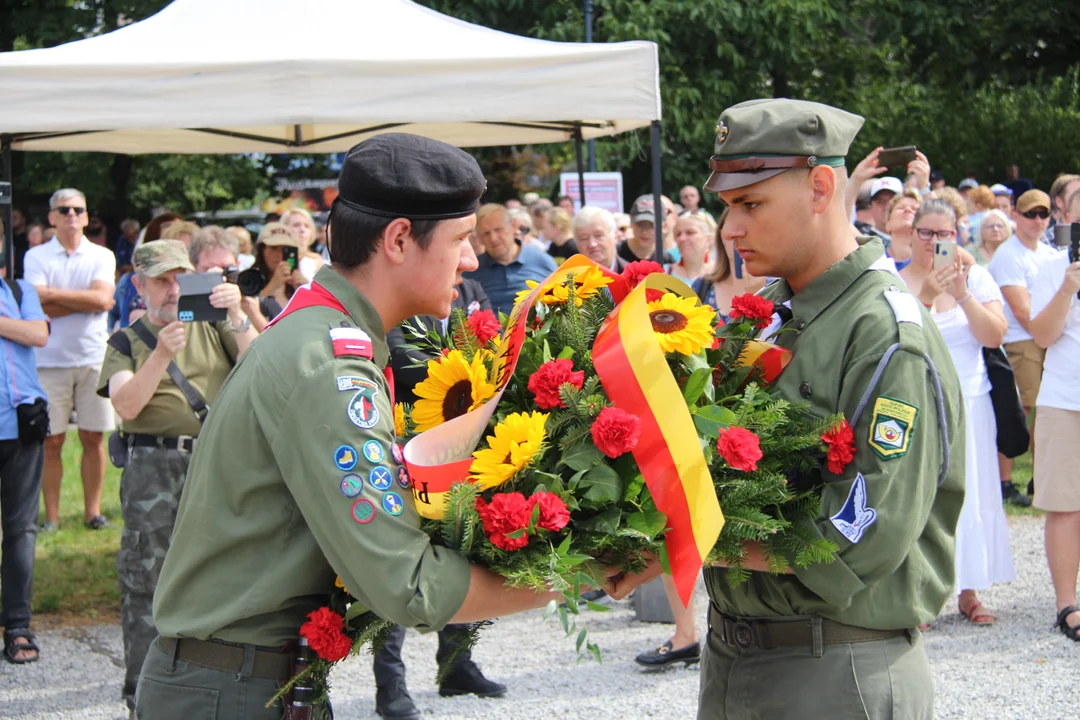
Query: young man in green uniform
(292,481)
(159,424)
(837,640)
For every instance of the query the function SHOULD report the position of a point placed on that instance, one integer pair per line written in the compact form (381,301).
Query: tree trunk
(121,178)
(781,88)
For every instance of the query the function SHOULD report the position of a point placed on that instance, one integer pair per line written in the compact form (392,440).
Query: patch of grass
(1020,476)
(75,567)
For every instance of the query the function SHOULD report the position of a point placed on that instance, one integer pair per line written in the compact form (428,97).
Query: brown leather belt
(216,655)
(744,633)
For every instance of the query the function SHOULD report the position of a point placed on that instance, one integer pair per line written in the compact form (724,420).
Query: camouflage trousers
(149,497)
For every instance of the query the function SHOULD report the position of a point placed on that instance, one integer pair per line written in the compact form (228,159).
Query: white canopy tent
(236,76)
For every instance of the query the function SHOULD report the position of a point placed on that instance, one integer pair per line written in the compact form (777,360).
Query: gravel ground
(1015,669)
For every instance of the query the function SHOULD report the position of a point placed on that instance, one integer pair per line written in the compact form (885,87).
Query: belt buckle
(183,440)
(743,634)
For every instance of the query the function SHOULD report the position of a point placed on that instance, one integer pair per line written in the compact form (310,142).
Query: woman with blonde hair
(560,235)
(245,258)
(994,229)
(302,226)
(693,234)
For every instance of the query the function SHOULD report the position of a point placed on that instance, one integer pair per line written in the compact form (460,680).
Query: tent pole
(588,39)
(5,207)
(580,167)
(657,183)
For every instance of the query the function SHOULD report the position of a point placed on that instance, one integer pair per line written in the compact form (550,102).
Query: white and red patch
(351,341)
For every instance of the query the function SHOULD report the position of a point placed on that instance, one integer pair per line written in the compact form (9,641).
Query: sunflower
(453,387)
(516,441)
(401,423)
(587,282)
(681,325)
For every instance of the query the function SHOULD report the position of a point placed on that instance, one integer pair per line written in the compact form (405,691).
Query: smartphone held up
(944,254)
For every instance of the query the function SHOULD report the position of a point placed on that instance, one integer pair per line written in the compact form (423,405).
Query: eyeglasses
(988,226)
(925,234)
(1041,213)
(63,210)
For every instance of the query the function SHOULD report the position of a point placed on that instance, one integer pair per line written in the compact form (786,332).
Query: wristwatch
(244,326)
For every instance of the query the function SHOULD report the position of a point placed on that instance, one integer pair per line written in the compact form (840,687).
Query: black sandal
(1070,631)
(13,646)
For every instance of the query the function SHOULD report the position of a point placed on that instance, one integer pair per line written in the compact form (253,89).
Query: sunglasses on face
(68,210)
(925,234)
(1040,213)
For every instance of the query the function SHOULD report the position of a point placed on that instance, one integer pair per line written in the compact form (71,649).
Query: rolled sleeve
(900,490)
(386,561)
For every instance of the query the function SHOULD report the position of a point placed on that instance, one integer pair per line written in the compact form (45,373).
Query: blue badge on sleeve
(352,485)
(403,477)
(381,478)
(345,458)
(856,516)
(392,503)
(373,451)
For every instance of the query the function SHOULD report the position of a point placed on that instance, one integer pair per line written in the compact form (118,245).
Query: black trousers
(390,668)
(20,501)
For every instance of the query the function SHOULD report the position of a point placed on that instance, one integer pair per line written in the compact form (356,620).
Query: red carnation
(485,325)
(506,513)
(553,512)
(324,632)
(616,431)
(546,381)
(638,270)
(754,308)
(740,448)
(841,442)
(652,294)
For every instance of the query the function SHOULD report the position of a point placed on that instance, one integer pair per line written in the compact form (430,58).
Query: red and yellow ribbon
(635,373)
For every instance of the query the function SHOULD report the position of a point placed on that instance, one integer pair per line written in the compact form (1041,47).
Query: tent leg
(580,167)
(5,208)
(657,188)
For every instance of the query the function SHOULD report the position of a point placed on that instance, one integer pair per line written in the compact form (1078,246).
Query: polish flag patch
(351,341)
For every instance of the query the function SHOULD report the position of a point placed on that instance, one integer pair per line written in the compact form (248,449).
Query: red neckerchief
(315,295)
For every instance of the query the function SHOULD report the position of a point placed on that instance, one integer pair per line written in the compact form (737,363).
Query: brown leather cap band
(753,164)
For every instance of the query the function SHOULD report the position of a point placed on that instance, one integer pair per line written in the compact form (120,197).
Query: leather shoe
(1012,495)
(466,679)
(667,654)
(395,703)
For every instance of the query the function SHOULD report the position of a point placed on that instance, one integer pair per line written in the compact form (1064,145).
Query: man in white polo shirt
(74,279)
(1014,268)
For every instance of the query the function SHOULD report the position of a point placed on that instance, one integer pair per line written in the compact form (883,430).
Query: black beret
(402,175)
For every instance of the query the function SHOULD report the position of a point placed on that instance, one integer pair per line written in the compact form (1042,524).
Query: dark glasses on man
(66,210)
(1040,213)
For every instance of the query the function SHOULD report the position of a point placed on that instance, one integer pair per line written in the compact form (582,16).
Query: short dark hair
(352,234)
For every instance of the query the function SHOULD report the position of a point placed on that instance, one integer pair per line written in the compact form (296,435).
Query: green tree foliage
(976,84)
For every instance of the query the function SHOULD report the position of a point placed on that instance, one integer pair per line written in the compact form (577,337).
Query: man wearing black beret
(286,489)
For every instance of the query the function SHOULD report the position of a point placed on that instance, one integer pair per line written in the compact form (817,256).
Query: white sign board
(602,189)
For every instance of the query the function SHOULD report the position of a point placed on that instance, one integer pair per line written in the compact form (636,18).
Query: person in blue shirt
(24,423)
(506,264)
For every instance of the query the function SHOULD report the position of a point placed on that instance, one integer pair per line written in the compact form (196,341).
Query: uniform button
(800,324)
(805,390)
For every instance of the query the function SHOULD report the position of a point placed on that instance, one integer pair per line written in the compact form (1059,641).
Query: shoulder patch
(361,408)
(905,306)
(891,426)
(352,342)
(856,515)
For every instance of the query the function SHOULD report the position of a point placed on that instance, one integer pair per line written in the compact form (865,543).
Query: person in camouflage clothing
(160,424)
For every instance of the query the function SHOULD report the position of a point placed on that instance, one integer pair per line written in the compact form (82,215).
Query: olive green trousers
(880,680)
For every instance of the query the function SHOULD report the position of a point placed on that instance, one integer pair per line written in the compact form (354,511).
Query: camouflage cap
(160,256)
(760,139)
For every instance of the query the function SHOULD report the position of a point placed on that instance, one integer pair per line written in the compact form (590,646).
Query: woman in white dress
(966,305)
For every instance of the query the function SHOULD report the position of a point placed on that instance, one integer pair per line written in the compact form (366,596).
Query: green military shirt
(293,482)
(206,360)
(896,535)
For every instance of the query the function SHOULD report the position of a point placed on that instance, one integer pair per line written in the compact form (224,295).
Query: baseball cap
(275,234)
(1032,199)
(158,257)
(968,184)
(759,139)
(999,189)
(642,210)
(886,183)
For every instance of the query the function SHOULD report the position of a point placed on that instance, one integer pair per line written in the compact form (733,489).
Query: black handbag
(33,421)
(1013,436)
